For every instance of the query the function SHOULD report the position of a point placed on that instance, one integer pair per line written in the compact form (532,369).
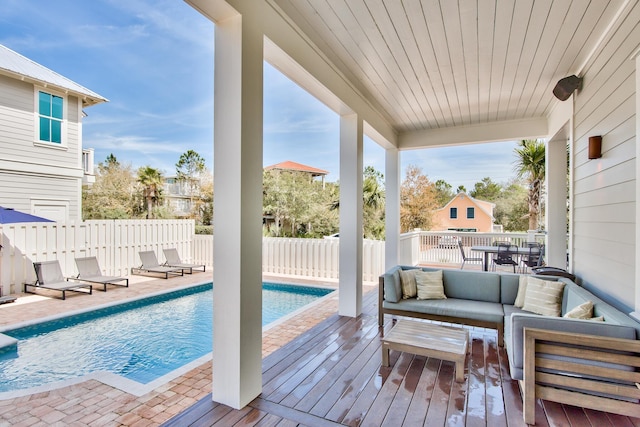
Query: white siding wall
(29,170)
(604,189)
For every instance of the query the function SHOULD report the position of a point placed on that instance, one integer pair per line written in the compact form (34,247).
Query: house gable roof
(15,65)
(293,166)
(477,202)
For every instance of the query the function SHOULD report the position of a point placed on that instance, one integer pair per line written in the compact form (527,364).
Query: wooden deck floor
(332,376)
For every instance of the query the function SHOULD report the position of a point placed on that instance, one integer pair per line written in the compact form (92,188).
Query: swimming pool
(140,340)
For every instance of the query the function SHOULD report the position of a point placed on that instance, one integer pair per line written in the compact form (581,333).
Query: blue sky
(153,60)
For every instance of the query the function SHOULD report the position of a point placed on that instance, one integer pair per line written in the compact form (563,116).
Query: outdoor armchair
(49,276)
(150,264)
(89,271)
(173,260)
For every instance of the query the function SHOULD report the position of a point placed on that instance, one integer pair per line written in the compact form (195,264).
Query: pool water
(141,340)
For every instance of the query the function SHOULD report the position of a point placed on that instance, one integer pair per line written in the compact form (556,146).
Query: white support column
(237,295)
(556,203)
(392,208)
(351,159)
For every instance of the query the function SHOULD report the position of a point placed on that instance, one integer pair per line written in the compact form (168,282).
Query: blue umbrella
(8,216)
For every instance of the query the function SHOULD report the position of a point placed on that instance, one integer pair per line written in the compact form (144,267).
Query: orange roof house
(288,165)
(464,213)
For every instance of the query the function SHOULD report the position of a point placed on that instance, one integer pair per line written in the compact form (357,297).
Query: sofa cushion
(509,283)
(392,287)
(543,297)
(472,285)
(429,284)
(452,307)
(408,281)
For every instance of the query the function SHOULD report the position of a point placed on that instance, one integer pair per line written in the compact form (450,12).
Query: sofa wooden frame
(574,382)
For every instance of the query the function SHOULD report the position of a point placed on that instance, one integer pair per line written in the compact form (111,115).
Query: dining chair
(534,258)
(505,256)
(465,258)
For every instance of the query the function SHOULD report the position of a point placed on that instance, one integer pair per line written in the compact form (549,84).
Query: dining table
(489,249)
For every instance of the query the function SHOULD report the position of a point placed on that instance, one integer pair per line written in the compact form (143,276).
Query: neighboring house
(42,162)
(464,213)
(268,220)
(288,165)
(177,195)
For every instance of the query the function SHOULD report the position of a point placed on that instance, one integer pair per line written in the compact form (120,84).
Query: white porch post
(556,221)
(237,296)
(351,159)
(392,208)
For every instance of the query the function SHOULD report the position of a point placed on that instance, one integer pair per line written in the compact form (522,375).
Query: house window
(50,116)
(471,213)
(453,213)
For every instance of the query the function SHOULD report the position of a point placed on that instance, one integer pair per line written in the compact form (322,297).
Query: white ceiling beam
(509,130)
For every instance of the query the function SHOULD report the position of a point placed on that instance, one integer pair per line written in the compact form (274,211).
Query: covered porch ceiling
(446,72)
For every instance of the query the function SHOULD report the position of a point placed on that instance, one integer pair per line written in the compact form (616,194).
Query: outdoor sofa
(592,363)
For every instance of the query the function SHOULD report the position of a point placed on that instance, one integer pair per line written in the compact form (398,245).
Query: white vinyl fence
(436,247)
(115,243)
(312,258)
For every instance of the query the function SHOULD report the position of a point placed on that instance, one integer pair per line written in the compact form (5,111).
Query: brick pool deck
(97,404)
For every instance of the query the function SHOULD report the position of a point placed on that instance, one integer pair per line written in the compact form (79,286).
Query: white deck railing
(434,247)
(116,244)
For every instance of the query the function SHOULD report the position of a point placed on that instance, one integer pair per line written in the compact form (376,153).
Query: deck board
(331,376)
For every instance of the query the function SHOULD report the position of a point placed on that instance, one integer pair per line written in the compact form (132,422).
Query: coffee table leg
(460,372)
(385,355)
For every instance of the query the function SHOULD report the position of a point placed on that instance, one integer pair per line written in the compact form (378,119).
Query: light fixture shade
(595,147)
(565,87)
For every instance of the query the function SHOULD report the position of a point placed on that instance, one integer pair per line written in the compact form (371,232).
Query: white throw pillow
(408,281)
(582,311)
(543,297)
(430,285)
(522,289)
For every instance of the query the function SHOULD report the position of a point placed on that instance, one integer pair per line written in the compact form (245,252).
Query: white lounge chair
(49,276)
(89,271)
(173,260)
(150,264)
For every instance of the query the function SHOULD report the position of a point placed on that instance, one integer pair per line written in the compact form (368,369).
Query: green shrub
(204,229)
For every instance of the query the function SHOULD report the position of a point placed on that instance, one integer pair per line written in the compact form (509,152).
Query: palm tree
(531,166)
(151,181)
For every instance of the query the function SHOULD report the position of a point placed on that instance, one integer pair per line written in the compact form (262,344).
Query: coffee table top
(428,335)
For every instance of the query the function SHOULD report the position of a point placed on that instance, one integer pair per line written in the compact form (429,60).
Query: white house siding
(21,191)
(29,170)
(604,189)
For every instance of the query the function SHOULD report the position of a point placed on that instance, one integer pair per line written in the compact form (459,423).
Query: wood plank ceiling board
(379,32)
(436,64)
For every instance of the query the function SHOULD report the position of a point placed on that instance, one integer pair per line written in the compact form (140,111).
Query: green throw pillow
(543,297)
(430,285)
(408,281)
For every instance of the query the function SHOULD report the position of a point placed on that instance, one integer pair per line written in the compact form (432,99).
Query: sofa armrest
(581,379)
(519,321)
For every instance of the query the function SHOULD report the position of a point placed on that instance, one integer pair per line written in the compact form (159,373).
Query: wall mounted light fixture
(565,87)
(595,147)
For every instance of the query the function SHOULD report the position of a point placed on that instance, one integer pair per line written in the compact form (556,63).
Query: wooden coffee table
(427,339)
